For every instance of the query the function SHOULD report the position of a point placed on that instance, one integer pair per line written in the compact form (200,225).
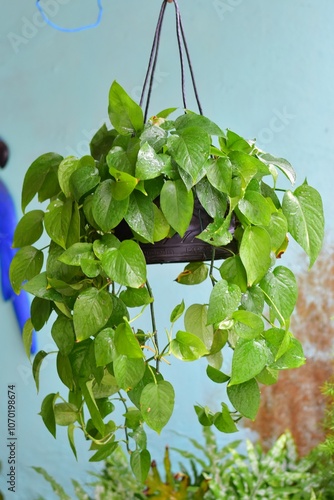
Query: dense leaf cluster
(148,175)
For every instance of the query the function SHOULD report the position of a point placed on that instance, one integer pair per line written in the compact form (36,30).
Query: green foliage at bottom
(217,473)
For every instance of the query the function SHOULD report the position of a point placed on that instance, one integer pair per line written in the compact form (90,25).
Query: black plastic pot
(185,249)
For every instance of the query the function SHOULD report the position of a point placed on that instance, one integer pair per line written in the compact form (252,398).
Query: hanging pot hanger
(182,46)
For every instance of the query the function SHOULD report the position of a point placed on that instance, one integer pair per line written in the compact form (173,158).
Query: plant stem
(213,281)
(125,427)
(154,326)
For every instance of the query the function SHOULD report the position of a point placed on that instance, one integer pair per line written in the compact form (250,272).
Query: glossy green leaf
(75,253)
(65,413)
(26,264)
(119,312)
(126,343)
(154,135)
(177,205)
(91,312)
(280,291)
(149,376)
(140,215)
(191,119)
(118,159)
(107,242)
(268,376)
(107,211)
(236,143)
(105,388)
(204,415)
(135,297)
(224,300)
(157,404)
(213,201)
(125,115)
(248,166)
(62,332)
(104,452)
(29,229)
(282,164)
(177,312)
(218,233)
(27,334)
(277,229)
(187,346)
(253,300)
(70,436)
(233,271)
(161,226)
(126,265)
(133,418)
(193,274)
(128,371)
(40,287)
(149,163)
(249,359)
(190,149)
(223,420)
(247,325)
(104,347)
(140,462)
(47,413)
(196,322)
(255,251)
(65,170)
(219,173)
(124,184)
(62,223)
(83,180)
(304,212)
(40,311)
(37,179)
(216,375)
(36,366)
(245,398)
(255,208)
(292,355)
(64,370)
(86,388)
(102,142)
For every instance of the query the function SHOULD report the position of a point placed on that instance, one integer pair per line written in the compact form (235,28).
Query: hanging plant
(138,191)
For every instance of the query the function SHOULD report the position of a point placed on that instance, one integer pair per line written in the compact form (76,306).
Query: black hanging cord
(154,57)
(190,68)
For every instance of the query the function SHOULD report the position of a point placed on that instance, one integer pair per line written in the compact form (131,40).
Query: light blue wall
(264,69)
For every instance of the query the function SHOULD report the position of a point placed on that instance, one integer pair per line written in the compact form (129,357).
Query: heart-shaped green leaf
(224,300)
(177,205)
(304,212)
(255,251)
(126,265)
(157,404)
(91,312)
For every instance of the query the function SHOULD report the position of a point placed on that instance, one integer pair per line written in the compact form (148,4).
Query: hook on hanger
(71,30)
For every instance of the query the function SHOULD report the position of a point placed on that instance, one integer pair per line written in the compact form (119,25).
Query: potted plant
(106,210)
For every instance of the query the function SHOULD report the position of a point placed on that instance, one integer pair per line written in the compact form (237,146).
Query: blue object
(8,222)
(71,30)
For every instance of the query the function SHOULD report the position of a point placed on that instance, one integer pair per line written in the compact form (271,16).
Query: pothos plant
(148,176)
